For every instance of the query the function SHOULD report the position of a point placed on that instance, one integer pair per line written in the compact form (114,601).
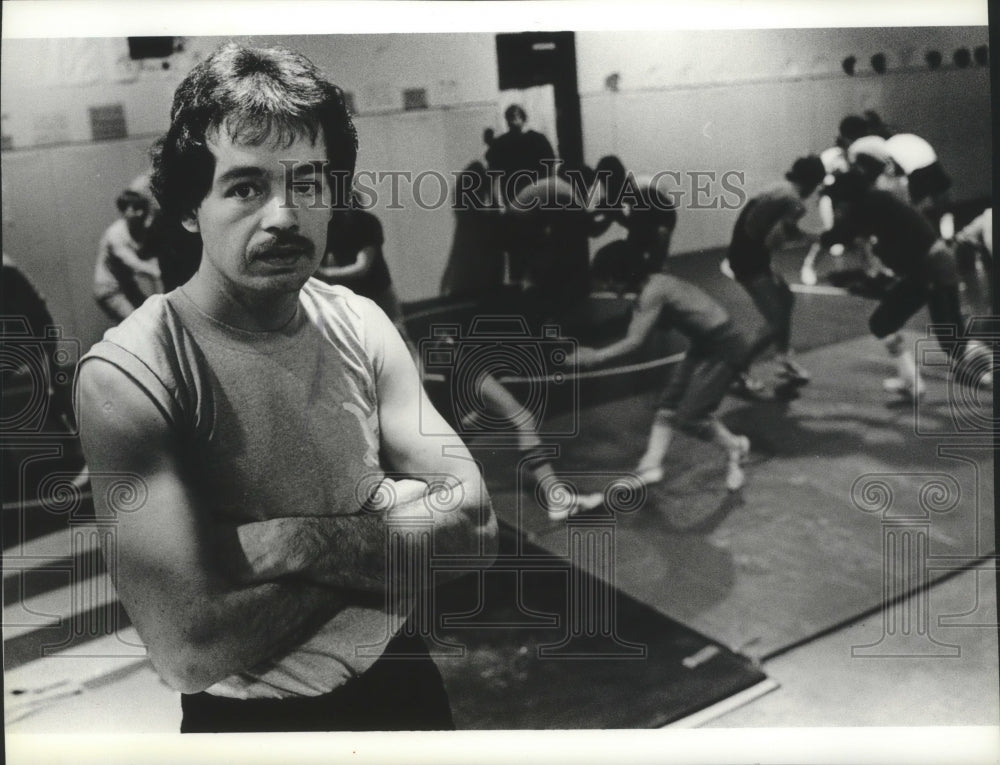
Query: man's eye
(244,191)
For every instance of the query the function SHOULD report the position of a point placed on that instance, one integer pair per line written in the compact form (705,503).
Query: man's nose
(280,213)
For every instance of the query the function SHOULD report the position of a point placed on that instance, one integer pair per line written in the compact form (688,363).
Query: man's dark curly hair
(252,95)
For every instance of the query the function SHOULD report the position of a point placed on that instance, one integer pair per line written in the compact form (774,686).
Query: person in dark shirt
(476,260)
(354,259)
(519,156)
(551,221)
(25,325)
(924,266)
(638,204)
(516,159)
(767,221)
(716,353)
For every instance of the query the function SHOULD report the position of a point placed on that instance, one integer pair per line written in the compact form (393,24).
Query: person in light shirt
(127,271)
(276,430)
(913,163)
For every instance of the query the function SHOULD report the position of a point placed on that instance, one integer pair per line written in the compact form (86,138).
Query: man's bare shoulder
(119,421)
(144,362)
(669,290)
(659,288)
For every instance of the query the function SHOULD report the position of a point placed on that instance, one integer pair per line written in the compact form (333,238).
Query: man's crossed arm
(210,599)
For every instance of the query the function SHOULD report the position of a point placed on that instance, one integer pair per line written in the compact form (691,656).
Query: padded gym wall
(752,101)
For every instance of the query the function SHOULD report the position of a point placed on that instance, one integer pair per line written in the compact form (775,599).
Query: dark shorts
(934,284)
(403,690)
(748,257)
(700,381)
(774,299)
(928,182)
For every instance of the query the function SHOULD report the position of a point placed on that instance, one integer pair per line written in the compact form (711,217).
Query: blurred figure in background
(716,353)
(913,162)
(925,269)
(516,159)
(476,261)
(127,269)
(640,205)
(25,317)
(976,239)
(518,156)
(552,221)
(974,253)
(834,161)
(764,224)
(354,259)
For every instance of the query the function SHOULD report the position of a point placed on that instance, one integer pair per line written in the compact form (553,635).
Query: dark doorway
(527,59)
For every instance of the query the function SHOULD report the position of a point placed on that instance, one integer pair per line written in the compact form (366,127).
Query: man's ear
(190,223)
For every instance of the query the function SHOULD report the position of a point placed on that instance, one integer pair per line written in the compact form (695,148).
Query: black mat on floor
(535,642)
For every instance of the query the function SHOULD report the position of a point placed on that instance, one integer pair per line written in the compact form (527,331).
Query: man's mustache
(283,245)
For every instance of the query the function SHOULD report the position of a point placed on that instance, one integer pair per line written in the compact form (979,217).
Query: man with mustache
(269,426)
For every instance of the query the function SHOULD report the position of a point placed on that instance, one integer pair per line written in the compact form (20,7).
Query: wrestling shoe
(578,503)
(904,387)
(735,477)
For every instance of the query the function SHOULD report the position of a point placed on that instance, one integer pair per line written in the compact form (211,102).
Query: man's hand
(400,492)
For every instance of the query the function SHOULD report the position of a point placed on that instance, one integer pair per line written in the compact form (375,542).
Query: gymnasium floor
(791,571)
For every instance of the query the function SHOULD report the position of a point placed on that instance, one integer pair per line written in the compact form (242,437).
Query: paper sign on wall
(6,139)
(107,122)
(414,98)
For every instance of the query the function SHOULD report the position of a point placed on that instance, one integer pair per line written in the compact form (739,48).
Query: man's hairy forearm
(350,551)
(238,628)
